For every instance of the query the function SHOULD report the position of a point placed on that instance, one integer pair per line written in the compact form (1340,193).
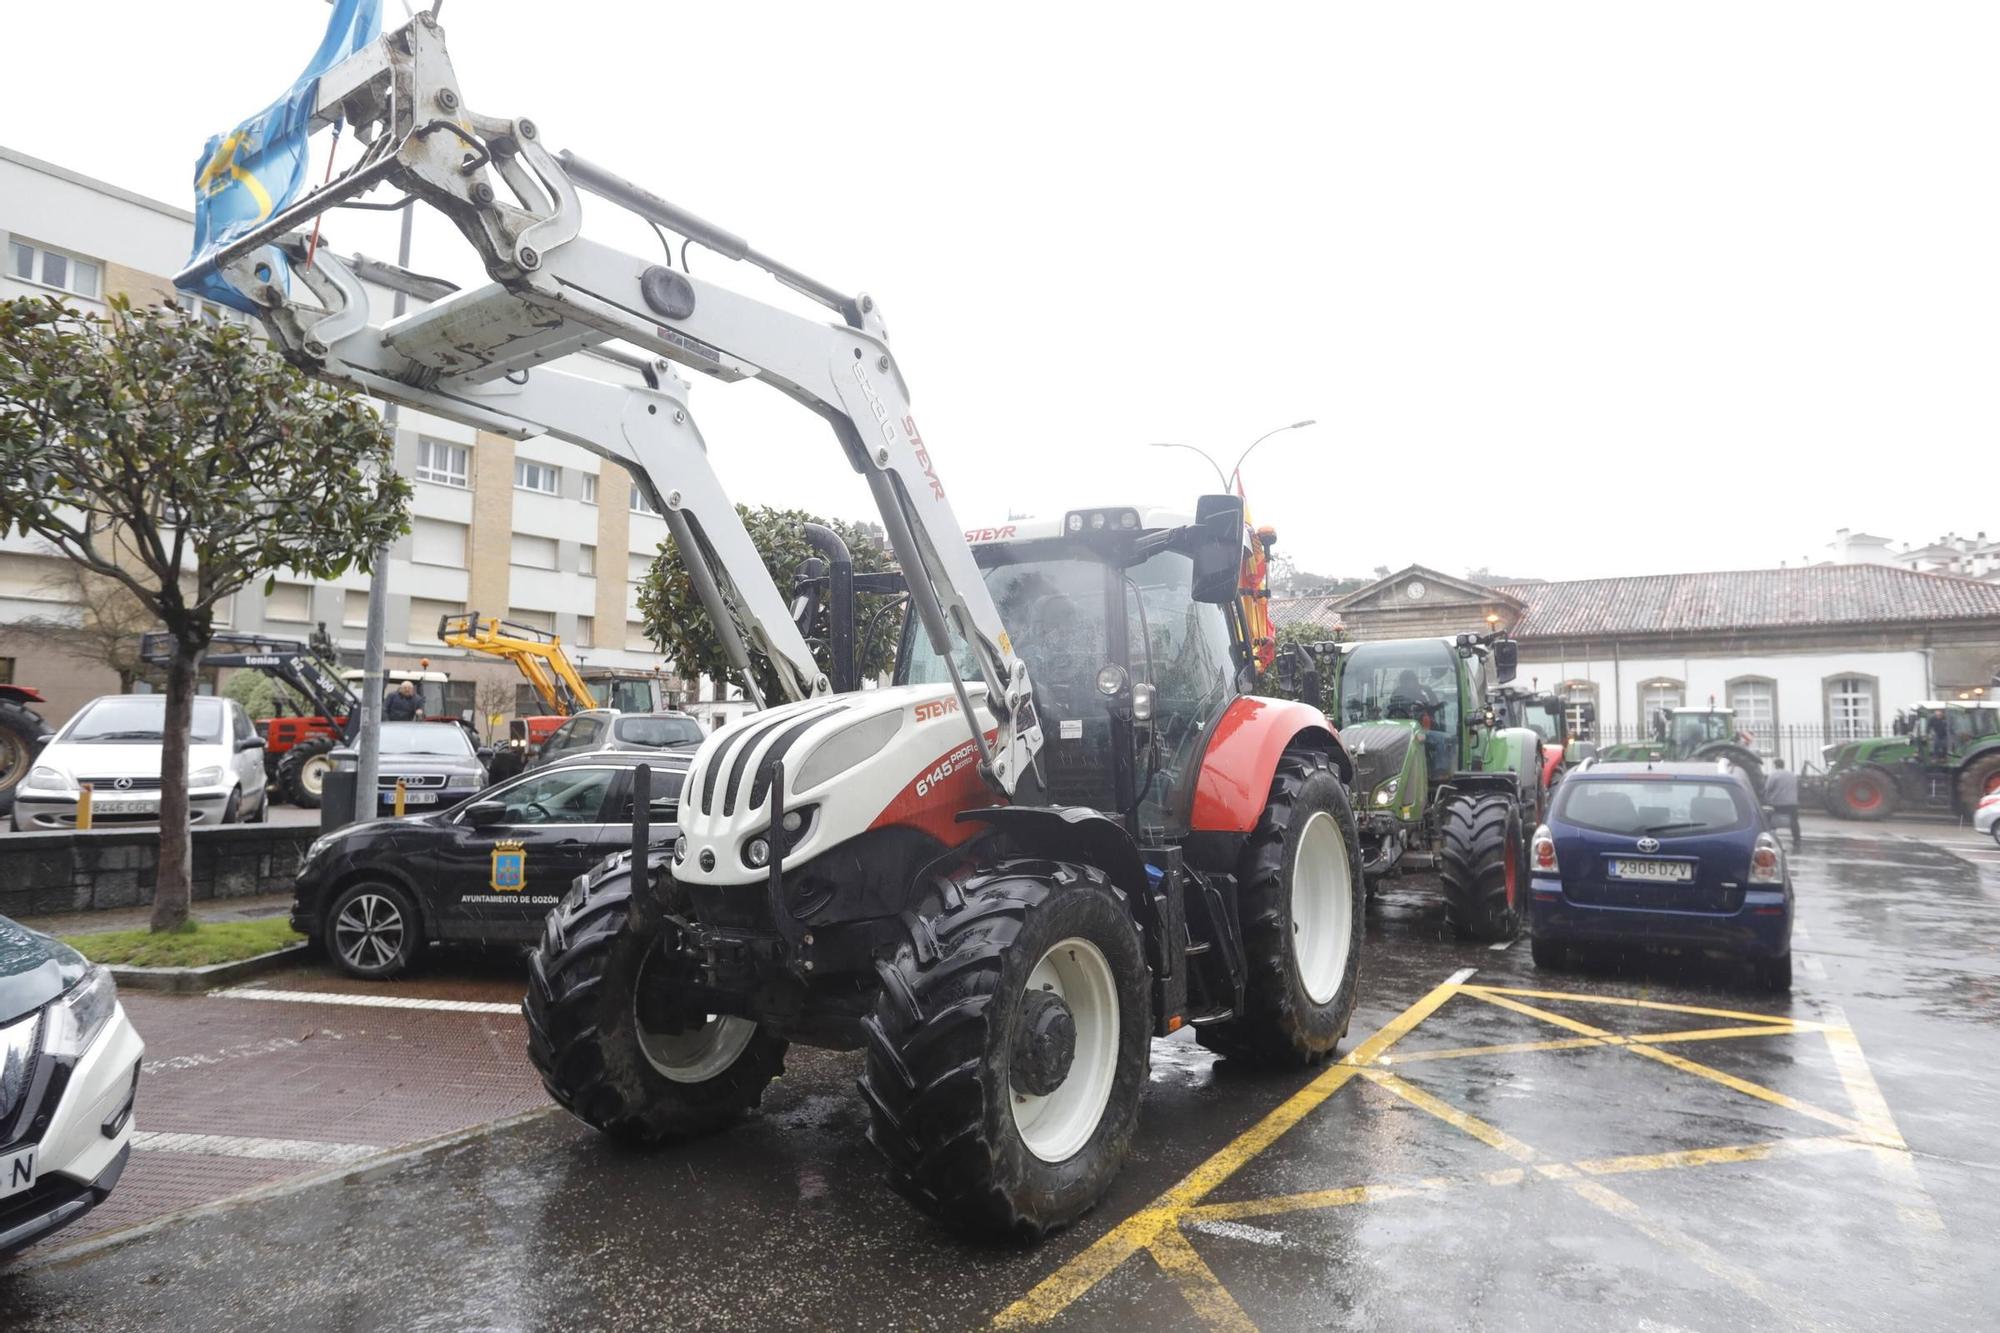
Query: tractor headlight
(49,779)
(1386,793)
(851,745)
(1111,681)
(681,848)
(77,1018)
(757,853)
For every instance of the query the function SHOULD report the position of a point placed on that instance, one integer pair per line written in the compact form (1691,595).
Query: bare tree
(101,621)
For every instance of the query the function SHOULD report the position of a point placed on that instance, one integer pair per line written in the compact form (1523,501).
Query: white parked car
(69,1077)
(113,743)
(1986,819)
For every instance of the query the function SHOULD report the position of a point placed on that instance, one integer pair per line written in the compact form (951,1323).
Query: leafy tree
(180,460)
(679,626)
(260,695)
(1301,635)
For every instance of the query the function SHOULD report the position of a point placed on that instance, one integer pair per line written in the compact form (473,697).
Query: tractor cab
(1686,730)
(444,699)
(1129,621)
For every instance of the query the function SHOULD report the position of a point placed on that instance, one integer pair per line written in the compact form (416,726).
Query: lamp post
(1229,478)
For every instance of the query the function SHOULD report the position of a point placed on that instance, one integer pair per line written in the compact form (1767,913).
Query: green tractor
(1549,716)
(1435,769)
(1945,757)
(1693,734)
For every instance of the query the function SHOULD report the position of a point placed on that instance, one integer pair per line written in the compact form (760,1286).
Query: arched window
(1755,701)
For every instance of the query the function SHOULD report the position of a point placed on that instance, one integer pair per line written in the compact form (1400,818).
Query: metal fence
(1798,746)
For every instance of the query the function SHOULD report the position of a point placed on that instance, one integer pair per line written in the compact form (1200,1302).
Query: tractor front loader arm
(481,356)
(537,654)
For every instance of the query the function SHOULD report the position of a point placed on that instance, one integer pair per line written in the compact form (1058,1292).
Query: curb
(189,980)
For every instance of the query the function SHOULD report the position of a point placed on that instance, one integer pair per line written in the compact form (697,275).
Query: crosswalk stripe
(363,1001)
(276,1150)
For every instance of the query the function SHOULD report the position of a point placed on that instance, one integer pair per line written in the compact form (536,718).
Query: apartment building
(539,531)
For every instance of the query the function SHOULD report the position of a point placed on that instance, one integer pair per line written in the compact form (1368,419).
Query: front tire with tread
(1481,862)
(302,788)
(582,1008)
(939,1081)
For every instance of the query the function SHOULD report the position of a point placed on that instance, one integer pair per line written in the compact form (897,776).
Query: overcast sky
(1571,289)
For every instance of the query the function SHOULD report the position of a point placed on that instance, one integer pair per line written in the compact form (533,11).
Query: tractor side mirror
(1218,549)
(1506,659)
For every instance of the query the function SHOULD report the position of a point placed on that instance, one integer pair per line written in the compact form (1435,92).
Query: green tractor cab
(1436,770)
(1946,756)
(1693,734)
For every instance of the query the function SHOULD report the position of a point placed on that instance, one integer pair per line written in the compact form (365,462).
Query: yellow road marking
(1892,1155)
(1156,1229)
(1680,1062)
(1203,1291)
(1805,1024)
(1582,1043)
(1053,1293)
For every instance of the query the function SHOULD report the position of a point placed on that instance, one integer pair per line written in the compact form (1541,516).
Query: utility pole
(367,799)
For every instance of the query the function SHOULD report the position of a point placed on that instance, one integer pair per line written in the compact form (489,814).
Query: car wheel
(263,815)
(372,930)
(1775,974)
(1548,954)
(232,812)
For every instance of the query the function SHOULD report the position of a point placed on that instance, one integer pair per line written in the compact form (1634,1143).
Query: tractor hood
(902,755)
(1379,750)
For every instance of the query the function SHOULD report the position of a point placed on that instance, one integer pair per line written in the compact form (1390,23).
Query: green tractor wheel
(1980,779)
(1483,863)
(1867,792)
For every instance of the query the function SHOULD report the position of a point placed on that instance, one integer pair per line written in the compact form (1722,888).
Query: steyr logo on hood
(935,708)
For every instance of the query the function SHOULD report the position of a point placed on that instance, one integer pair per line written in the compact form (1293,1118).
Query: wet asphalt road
(1822,1160)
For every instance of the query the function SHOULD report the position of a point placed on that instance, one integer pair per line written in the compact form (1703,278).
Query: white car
(69,1079)
(1986,819)
(113,743)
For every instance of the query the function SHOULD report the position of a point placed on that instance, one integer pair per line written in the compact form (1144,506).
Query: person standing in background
(1781,793)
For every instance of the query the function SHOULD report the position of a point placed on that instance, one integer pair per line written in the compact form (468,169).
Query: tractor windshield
(1544,717)
(1411,679)
(1071,614)
(1696,729)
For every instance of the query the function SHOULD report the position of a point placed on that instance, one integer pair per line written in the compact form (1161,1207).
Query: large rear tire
(1300,893)
(1008,1051)
(1866,793)
(603,1034)
(1980,779)
(302,774)
(1482,863)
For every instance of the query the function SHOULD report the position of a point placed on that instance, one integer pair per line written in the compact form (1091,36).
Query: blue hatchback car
(1661,854)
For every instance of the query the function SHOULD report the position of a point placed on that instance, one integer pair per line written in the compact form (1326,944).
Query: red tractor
(23,733)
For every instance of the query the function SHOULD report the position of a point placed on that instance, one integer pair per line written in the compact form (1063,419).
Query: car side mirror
(1506,659)
(485,814)
(484,754)
(1218,549)
(250,743)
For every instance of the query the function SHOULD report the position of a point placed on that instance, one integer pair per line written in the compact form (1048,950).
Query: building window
(445,464)
(541,478)
(436,541)
(533,552)
(354,608)
(1850,707)
(635,638)
(289,602)
(1655,698)
(643,503)
(223,613)
(52,268)
(545,621)
(586,631)
(425,613)
(1580,708)
(6,671)
(1754,699)
(586,560)
(637,567)
(590,488)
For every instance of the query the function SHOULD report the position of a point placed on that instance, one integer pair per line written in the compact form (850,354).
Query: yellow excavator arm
(537,654)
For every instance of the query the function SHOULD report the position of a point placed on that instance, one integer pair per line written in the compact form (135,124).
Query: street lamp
(1228,479)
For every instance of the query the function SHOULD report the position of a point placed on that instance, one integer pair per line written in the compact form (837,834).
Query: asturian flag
(246,175)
